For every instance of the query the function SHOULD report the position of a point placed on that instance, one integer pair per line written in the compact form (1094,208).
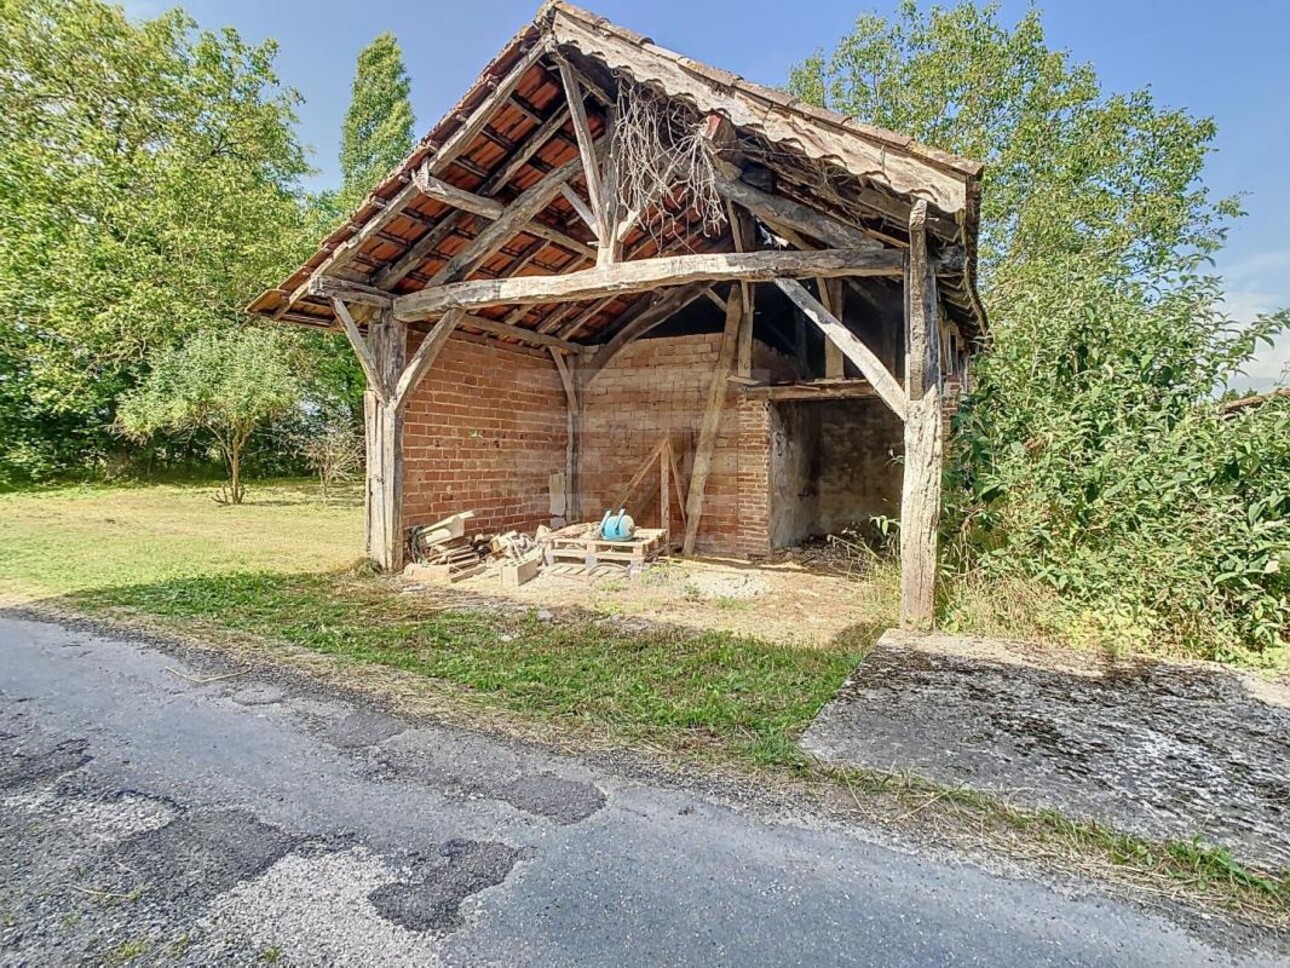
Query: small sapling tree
(222,384)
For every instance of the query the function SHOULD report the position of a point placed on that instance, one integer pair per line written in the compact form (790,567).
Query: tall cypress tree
(378,126)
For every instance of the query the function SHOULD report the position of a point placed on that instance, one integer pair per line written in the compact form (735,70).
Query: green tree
(225,385)
(378,125)
(148,187)
(1090,457)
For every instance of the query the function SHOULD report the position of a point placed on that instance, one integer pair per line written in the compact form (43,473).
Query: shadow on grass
(638,679)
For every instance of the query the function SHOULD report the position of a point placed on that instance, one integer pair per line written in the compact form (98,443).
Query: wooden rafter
(457,142)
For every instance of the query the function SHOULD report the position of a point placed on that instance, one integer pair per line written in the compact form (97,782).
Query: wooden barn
(607,251)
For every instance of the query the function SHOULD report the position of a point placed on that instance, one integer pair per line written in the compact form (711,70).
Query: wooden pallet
(648,544)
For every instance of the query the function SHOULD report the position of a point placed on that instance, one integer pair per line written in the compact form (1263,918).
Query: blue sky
(1225,60)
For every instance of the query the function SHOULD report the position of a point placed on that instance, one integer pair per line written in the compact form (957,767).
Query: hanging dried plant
(664,165)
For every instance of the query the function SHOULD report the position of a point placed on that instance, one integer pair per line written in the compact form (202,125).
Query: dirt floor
(807,598)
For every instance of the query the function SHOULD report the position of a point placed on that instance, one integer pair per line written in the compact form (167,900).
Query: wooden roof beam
(646,274)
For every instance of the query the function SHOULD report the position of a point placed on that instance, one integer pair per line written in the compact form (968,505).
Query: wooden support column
(391,378)
(387,344)
(711,426)
(920,500)
(573,425)
(832,298)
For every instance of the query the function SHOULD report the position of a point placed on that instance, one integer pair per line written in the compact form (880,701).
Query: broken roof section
(430,220)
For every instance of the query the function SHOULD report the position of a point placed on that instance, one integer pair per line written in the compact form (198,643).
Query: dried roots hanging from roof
(662,157)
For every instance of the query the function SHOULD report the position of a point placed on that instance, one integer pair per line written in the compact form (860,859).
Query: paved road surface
(256,820)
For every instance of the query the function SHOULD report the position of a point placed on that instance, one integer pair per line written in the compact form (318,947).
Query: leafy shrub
(1093,459)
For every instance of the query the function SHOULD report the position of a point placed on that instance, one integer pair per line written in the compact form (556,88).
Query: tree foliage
(224,384)
(1090,456)
(148,186)
(377,134)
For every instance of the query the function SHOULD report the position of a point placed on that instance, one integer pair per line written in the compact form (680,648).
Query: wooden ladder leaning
(669,478)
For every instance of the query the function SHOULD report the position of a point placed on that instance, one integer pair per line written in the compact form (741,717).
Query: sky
(1225,60)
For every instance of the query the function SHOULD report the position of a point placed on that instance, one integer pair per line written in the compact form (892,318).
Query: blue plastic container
(617,527)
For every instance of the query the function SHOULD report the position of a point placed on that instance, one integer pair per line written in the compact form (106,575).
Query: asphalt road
(149,819)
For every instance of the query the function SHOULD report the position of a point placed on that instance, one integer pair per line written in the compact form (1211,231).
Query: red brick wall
(658,386)
(483,432)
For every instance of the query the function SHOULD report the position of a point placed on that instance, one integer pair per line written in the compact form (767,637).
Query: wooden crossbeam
(646,274)
(866,362)
(518,214)
(459,198)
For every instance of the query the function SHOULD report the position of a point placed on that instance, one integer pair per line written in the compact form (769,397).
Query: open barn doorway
(834,464)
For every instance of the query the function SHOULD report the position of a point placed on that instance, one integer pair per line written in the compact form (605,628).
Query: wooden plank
(711,425)
(440,190)
(586,145)
(798,217)
(920,496)
(584,211)
(866,362)
(375,382)
(640,276)
(520,212)
(812,390)
(832,300)
(424,357)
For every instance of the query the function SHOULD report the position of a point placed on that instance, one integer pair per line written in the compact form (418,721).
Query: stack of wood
(443,551)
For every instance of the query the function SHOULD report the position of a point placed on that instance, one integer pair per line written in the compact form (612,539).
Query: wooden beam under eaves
(645,274)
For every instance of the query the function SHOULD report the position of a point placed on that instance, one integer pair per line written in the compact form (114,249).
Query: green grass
(63,540)
(739,693)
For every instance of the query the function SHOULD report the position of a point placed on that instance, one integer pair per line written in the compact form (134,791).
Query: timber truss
(506,223)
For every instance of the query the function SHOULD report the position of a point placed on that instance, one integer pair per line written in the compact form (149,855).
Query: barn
(607,253)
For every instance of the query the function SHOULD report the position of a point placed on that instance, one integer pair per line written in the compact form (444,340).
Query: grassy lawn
(280,569)
(58,541)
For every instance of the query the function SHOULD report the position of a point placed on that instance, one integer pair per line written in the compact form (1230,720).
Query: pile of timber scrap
(443,551)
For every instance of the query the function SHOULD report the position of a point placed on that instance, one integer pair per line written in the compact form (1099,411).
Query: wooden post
(387,344)
(573,429)
(920,500)
(390,382)
(832,297)
(712,419)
